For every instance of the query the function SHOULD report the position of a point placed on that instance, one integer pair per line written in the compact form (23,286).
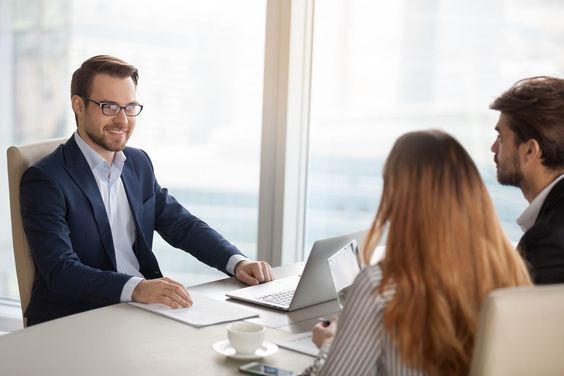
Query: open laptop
(314,286)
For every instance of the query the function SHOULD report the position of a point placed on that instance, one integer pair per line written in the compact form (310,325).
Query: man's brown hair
(82,78)
(535,110)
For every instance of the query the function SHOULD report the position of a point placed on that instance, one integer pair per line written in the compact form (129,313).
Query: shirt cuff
(127,291)
(233,261)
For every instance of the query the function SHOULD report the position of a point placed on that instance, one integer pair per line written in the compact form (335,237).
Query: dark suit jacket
(70,238)
(543,244)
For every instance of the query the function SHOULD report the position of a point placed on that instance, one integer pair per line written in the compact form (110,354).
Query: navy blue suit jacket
(69,234)
(543,244)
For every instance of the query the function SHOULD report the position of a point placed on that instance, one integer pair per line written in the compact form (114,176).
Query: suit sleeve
(43,209)
(543,248)
(183,230)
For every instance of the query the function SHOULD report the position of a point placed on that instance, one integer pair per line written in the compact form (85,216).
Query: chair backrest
(19,159)
(521,332)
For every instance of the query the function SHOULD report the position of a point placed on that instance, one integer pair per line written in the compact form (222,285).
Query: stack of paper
(205,311)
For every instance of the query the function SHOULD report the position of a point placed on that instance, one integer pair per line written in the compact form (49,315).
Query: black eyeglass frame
(124,108)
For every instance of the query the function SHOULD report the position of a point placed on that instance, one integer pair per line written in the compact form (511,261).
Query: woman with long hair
(415,312)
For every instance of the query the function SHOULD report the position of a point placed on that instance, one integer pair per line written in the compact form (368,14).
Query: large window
(382,68)
(379,69)
(201,72)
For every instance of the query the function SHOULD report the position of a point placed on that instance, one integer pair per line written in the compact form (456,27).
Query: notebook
(314,286)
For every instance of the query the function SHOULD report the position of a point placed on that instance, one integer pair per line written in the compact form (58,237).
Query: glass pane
(381,69)
(201,74)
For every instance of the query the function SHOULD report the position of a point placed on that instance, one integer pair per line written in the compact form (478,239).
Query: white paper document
(205,311)
(300,342)
(344,267)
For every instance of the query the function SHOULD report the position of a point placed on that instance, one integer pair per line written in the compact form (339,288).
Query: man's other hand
(164,291)
(253,272)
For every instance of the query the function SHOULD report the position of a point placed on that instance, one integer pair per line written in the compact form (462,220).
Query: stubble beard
(103,143)
(513,177)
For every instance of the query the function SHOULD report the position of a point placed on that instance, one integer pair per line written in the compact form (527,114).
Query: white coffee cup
(245,337)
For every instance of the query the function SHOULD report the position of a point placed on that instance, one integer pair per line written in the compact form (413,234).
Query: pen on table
(324,321)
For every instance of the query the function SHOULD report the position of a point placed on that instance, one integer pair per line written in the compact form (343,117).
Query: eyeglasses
(112,108)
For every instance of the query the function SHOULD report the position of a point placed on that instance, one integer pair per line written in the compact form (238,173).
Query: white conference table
(125,340)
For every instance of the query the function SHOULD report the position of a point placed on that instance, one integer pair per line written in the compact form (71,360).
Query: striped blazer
(361,345)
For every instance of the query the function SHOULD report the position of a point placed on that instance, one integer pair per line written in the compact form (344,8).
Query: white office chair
(19,159)
(521,333)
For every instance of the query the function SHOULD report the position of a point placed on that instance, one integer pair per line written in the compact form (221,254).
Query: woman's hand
(324,333)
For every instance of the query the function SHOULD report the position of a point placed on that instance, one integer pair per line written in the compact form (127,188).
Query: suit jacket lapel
(148,265)
(133,192)
(79,170)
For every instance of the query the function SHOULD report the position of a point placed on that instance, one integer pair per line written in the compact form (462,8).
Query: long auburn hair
(445,251)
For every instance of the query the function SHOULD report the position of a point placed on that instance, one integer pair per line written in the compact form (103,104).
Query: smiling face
(506,154)
(106,134)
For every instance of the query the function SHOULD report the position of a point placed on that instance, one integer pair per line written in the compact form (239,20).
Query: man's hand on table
(162,290)
(253,272)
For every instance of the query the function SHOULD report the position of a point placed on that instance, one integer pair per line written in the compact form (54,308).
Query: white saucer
(224,348)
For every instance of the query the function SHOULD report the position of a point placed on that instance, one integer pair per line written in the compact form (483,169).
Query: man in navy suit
(90,208)
(529,154)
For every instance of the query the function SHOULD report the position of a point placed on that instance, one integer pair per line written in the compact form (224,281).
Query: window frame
(285,131)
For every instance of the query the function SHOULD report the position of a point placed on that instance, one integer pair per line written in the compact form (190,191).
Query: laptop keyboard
(282,298)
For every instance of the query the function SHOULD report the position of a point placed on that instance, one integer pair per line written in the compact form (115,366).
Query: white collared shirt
(529,216)
(122,226)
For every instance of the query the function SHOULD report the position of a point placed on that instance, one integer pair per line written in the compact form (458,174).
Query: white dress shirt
(119,213)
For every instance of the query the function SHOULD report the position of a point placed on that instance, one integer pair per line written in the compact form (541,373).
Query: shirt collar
(529,216)
(93,158)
